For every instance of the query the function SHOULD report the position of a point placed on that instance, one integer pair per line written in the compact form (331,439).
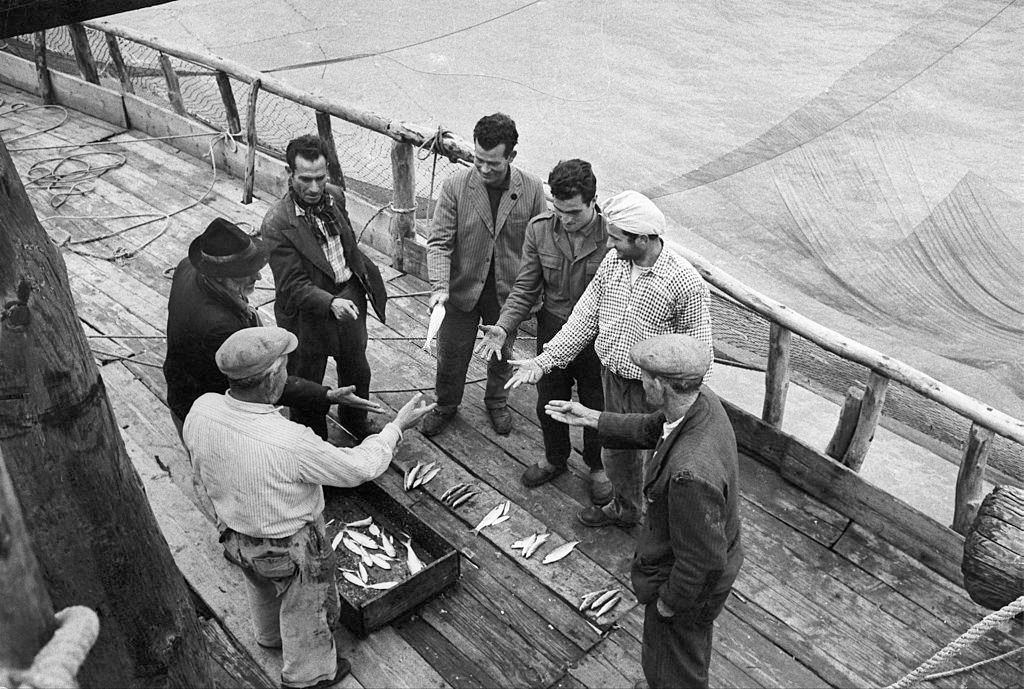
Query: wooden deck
(820,601)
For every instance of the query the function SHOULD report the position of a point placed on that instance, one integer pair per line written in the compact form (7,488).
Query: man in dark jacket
(323,281)
(209,302)
(689,552)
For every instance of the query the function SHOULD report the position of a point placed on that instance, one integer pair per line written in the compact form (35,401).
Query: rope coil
(57,663)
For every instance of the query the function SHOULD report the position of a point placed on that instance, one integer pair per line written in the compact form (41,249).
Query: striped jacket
(463,238)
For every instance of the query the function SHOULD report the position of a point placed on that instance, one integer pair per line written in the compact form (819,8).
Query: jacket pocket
(274,566)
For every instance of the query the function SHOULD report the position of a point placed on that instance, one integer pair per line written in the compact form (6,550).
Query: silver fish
(353,578)
(337,539)
(410,475)
(459,492)
(352,546)
(587,598)
(362,573)
(362,539)
(448,493)
(559,552)
(374,530)
(383,585)
(379,561)
(426,477)
(463,499)
(502,518)
(414,563)
(496,511)
(387,545)
(360,523)
(603,598)
(607,607)
(524,542)
(537,543)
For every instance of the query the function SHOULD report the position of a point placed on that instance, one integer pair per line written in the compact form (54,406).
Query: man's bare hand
(344,309)
(347,397)
(527,371)
(572,413)
(412,411)
(437,298)
(492,342)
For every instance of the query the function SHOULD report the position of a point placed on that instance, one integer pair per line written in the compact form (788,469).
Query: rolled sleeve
(346,467)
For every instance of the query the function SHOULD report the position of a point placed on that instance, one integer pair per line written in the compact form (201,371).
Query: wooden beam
(173,86)
(250,137)
(970,488)
(83,53)
(27,16)
(776,380)
(323,128)
(227,96)
(403,201)
(847,423)
(867,421)
(42,71)
(114,48)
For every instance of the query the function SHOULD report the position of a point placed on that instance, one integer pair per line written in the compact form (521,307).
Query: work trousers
(585,372)
(348,348)
(676,651)
(456,341)
(625,468)
(293,598)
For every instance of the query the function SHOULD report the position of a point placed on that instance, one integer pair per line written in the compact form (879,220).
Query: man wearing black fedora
(209,302)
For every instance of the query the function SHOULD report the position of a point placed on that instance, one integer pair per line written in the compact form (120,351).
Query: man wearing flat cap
(689,551)
(641,289)
(263,475)
(209,302)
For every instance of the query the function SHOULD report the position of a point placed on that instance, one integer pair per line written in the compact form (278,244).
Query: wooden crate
(363,611)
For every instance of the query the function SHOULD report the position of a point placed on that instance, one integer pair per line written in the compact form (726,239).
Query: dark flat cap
(672,356)
(224,250)
(251,351)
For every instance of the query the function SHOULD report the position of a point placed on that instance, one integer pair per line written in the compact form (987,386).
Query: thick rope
(964,640)
(57,663)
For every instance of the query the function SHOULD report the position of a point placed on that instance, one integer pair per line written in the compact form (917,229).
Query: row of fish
(458,495)
(497,515)
(421,474)
(601,602)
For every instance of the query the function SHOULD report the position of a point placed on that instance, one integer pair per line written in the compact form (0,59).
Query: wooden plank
(83,53)
(759,657)
(45,84)
(18,72)
(446,658)
(95,100)
(117,59)
(173,86)
(970,480)
(227,97)
(251,141)
(403,202)
(867,421)
(323,128)
(848,415)
(384,659)
(776,381)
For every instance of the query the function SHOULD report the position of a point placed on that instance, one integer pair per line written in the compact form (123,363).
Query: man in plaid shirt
(640,290)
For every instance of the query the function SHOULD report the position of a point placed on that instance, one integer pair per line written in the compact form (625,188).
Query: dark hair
(572,177)
(309,146)
(496,129)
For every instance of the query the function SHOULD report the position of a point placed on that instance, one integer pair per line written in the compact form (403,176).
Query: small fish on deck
(559,552)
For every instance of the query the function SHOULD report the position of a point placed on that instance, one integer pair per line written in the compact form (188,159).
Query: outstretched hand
(492,342)
(412,411)
(572,413)
(346,397)
(527,371)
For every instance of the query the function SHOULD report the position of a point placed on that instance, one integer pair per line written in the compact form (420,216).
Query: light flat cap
(251,351)
(633,212)
(680,357)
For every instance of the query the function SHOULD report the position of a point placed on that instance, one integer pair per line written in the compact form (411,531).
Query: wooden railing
(862,409)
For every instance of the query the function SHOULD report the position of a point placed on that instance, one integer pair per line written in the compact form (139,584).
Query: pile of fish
(421,475)
(374,550)
(495,516)
(528,546)
(602,602)
(458,495)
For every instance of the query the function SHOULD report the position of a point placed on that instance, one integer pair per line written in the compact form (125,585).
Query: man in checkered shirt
(640,290)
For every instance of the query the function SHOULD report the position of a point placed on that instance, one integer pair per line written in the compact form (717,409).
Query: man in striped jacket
(474,247)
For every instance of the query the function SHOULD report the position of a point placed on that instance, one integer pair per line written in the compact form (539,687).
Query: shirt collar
(250,407)
(301,211)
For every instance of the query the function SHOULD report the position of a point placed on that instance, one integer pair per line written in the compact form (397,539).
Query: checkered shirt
(668,297)
(329,242)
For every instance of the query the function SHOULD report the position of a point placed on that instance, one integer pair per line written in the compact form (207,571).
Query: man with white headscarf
(641,289)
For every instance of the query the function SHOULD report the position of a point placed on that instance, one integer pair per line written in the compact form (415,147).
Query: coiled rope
(57,663)
(963,641)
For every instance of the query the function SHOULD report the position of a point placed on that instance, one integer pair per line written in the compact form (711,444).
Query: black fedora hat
(223,250)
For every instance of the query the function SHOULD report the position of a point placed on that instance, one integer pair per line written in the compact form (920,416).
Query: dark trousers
(455,343)
(585,373)
(347,344)
(676,651)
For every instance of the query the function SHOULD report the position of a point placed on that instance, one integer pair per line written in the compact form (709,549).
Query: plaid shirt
(668,297)
(318,217)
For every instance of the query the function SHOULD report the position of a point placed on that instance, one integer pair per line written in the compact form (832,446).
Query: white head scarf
(633,212)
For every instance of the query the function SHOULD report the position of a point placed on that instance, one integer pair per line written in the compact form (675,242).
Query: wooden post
(403,201)
(26,613)
(970,479)
(776,380)
(230,106)
(173,87)
(84,507)
(83,53)
(250,137)
(42,71)
(114,48)
(847,423)
(323,128)
(867,421)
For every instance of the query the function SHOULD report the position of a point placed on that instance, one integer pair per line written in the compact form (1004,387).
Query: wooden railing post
(173,86)
(83,53)
(848,416)
(867,421)
(776,380)
(114,48)
(323,128)
(42,71)
(970,490)
(227,96)
(250,137)
(403,201)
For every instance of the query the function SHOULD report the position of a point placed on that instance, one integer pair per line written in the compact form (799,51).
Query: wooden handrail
(829,340)
(451,145)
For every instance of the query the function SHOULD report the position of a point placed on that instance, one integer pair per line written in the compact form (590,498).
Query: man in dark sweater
(689,551)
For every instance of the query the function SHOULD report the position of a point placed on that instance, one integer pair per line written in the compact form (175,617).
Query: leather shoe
(501,420)
(344,667)
(435,422)
(536,475)
(601,516)
(600,491)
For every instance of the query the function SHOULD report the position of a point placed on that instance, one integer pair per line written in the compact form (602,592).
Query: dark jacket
(198,322)
(689,550)
(303,277)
